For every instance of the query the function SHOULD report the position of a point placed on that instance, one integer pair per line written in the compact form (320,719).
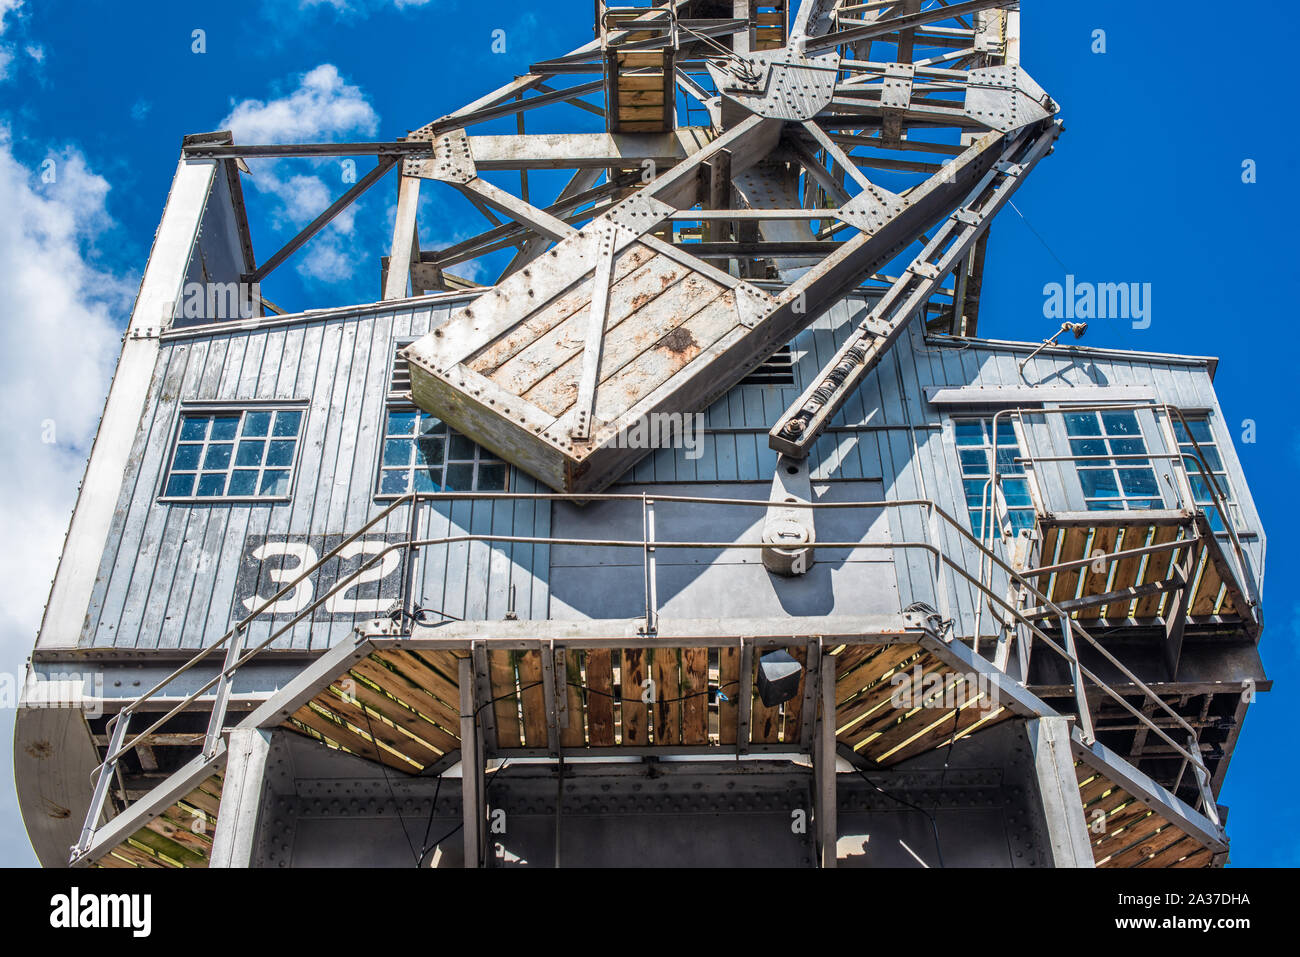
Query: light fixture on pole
(1078,328)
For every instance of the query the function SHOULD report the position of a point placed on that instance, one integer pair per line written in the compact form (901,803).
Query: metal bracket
(752,305)
(453,160)
(639,213)
(789,533)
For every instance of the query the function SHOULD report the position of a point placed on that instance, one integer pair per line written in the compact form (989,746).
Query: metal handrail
(646,543)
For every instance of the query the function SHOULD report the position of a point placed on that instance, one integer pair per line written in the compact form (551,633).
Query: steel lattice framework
(841,140)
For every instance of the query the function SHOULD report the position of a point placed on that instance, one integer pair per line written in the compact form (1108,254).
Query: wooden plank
(600,698)
(417,670)
(695,689)
(405,717)
(633,711)
(1173,853)
(204,800)
(416,749)
(537,332)
(1153,844)
(1206,596)
(534,699)
(947,730)
(575,735)
(665,666)
(405,690)
(1047,556)
(505,703)
(1072,548)
(1094,582)
(1126,574)
(872,672)
(349,739)
(1202,858)
(729,685)
(1157,569)
(678,319)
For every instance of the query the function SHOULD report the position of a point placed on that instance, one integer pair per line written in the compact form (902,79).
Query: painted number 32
(299,556)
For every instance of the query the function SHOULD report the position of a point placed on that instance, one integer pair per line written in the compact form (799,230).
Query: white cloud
(323,108)
(6,50)
(58,346)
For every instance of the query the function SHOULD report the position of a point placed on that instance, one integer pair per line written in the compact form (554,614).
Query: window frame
(397,403)
(208,408)
(1035,507)
(1153,445)
(1236,513)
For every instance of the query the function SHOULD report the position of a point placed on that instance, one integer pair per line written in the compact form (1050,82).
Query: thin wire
(388,781)
(1038,234)
(938,850)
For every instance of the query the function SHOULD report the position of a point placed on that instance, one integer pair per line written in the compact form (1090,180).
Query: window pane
(491,478)
(1016,493)
(1128,446)
(1007,464)
(286,424)
(187,457)
(1007,434)
(397,452)
(1211,456)
(179,485)
(969,431)
(1088,447)
(194,428)
(974,461)
(460,478)
(431,426)
(1021,520)
(1120,423)
(393,482)
(1081,423)
(1098,482)
(401,423)
(218,456)
(256,423)
(280,453)
(429,450)
(250,453)
(1201,430)
(427,480)
(274,483)
(461,447)
(243,482)
(1138,482)
(224,427)
(212,483)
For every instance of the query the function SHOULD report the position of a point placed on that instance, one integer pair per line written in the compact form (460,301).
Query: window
(1199,428)
(234,454)
(421,454)
(975,450)
(1112,483)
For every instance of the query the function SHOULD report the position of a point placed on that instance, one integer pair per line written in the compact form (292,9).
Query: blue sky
(1145,186)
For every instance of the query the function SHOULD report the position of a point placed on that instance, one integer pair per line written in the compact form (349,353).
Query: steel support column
(243,796)
(1058,790)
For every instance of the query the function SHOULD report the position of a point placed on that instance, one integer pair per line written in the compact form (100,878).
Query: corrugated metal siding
(171,578)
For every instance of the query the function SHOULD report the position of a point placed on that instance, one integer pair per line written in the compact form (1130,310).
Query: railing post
(940,577)
(408,578)
(100,794)
(1203,780)
(648,563)
(1076,675)
(222,699)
